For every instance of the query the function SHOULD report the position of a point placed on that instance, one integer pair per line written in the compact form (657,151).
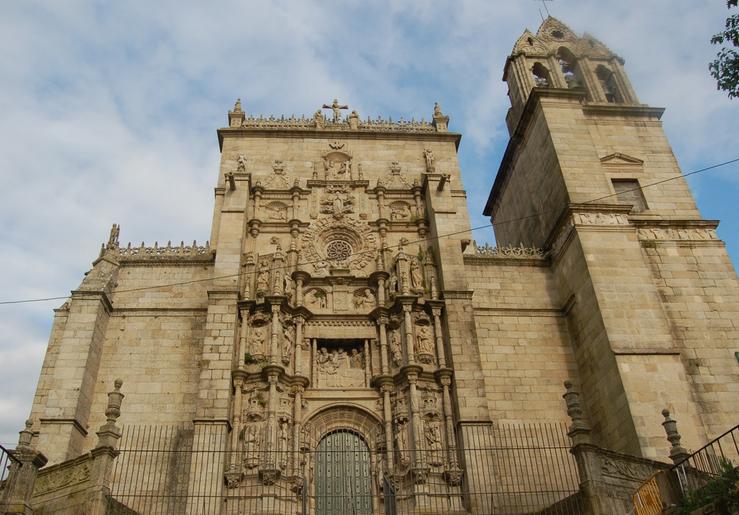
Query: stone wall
(523,339)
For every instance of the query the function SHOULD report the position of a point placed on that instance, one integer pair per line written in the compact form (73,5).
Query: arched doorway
(343,479)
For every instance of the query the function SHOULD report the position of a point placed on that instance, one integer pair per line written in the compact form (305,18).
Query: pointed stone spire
(236,117)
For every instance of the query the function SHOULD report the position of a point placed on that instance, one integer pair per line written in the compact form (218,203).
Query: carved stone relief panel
(345,243)
(276,211)
(400,211)
(340,364)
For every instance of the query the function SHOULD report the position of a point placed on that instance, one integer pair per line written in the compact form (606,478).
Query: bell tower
(589,175)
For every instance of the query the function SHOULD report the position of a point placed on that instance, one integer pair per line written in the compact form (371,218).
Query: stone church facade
(342,301)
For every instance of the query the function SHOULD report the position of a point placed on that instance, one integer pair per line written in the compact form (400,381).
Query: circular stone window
(557,34)
(338,250)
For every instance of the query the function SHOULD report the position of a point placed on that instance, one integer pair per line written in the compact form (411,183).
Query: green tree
(725,69)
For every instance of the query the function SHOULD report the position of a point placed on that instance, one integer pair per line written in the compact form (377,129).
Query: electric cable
(374,251)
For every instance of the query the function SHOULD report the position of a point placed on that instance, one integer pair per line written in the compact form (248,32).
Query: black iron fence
(6,462)
(498,468)
(683,484)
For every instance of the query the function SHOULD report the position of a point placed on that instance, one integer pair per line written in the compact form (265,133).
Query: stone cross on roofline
(336,108)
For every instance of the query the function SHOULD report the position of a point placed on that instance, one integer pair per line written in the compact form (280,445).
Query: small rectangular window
(629,192)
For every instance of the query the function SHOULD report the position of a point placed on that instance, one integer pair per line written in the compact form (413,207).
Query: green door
(343,480)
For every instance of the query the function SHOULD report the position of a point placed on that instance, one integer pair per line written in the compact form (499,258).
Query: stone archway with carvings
(342,468)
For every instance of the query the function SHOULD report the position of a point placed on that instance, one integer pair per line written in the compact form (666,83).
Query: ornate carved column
(313,378)
(296,204)
(233,475)
(274,338)
(408,327)
(367,377)
(298,351)
(382,329)
(419,462)
(380,201)
(386,389)
(269,471)
(417,198)
(454,473)
(440,354)
(244,316)
(297,422)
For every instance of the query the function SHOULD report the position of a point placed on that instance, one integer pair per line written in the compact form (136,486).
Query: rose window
(338,250)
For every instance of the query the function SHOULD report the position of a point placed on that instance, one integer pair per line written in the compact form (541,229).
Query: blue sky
(110,111)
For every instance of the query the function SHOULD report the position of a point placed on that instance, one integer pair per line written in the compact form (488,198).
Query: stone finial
(440,120)
(678,453)
(237,106)
(115,398)
(109,433)
(236,116)
(26,435)
(579,430)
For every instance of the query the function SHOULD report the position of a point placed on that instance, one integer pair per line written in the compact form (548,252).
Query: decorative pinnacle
(237,106)
(113,411)
(678,453)
(574,411)
(26,435)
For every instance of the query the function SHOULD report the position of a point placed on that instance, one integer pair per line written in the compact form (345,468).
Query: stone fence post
(582,449)
(105,452)
(16,498)
(678,453)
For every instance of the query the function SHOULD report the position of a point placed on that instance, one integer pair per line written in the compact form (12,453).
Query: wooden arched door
(343,481)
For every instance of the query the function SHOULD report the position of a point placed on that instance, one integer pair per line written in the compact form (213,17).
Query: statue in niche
(432,435)
(252,444)
(288,285)
(283,448)
(428,155)
(355,359)
(241,163)
(401,442)
(392,285)
(416,275)
(287,345)
(395,349)
(263,278)
(364,299)
(256,343)
(403,280)
(337,202)
(424,340)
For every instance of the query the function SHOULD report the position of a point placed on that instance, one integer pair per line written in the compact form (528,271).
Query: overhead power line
(422,240)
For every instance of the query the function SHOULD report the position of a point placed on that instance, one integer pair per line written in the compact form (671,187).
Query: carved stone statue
(282,443)
(241,163)
(288,285)
(252,444)
(287,345)
(429,157)
(115,231)
(355,359)
(432,435)
(401,442)
(392,285)
(263,278)
(416,275)
(424,340)
(395,349)
(256,343)
(336,109)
